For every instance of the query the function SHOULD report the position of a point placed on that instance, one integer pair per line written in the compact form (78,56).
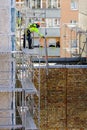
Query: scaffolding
(20,86)
(24,74)
(32,16)
(75,40)
(29,98)
(7,65)
(21,99)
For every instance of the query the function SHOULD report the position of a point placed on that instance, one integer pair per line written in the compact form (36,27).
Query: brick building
(69,15)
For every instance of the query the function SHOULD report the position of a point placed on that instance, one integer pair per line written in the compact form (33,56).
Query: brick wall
(64,99)
(67,14)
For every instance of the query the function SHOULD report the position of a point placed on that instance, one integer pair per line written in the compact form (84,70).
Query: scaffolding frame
(72,40)
(20,96)
(28,109)
(26,14)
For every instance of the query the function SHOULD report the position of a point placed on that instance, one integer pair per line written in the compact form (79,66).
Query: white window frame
(51,22)
(52,4)
(74,43)
(32,4)
(73,22)
(74,4)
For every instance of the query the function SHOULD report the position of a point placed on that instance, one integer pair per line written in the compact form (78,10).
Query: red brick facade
(67,14)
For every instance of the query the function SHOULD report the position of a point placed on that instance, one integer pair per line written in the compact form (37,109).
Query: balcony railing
(43,13)
(50,32)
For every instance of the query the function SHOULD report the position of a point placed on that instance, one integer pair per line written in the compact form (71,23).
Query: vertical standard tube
(79,44)
(20,36)
(86,49)
(66,97)
(45,44)
(39,93)
(13,100)
(23,105)
(46,57)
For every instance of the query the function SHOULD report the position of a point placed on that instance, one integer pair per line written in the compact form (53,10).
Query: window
(73,43)
(58,3)
(38,3)
(73,21)
(52,42)
(53,22)
(74,4)
(49,22)
(52,3)
(33,3)
(28,3)
(56,22)
(43,3)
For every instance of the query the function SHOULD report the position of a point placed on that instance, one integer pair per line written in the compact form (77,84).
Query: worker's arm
(41,35)
(33,29)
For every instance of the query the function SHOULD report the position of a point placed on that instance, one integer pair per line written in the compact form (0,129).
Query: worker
(27,34)
(58,44)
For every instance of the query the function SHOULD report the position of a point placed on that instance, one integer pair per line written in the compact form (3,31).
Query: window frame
(52,3)
(51,22)
(74,4)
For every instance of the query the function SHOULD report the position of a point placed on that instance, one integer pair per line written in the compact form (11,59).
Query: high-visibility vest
(33,28)
(19,21)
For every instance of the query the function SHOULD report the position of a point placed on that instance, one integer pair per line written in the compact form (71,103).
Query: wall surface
(5,25)
(67,14)
(83,14)
(64,99)
(7,38)
(83,24)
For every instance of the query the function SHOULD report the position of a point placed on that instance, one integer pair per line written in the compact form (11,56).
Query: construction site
(45,87)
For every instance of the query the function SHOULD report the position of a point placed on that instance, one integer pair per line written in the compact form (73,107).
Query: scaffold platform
(11,126)
(27,120)
(28,86)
